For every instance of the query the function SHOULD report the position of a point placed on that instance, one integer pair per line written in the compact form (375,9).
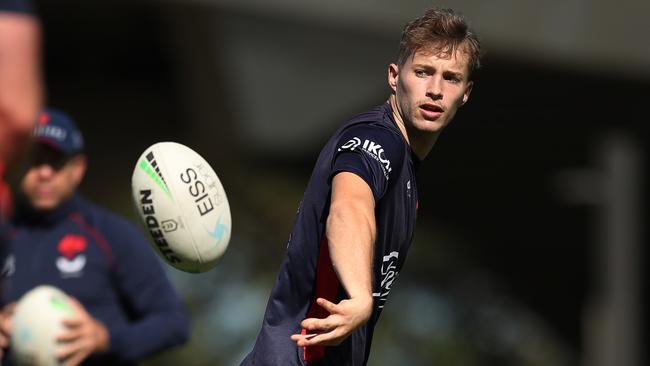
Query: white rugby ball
(37,320)
(183,206)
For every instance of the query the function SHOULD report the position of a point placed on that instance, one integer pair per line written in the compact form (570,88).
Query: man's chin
(44,205)
(432,126)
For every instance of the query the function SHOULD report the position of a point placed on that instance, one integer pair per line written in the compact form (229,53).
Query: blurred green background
(528,249)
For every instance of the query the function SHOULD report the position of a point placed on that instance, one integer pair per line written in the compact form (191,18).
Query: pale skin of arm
(84,335)
(351,232)
(20,81)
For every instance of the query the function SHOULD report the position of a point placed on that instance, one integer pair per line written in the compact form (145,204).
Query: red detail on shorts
(99,238)
(71,245)
(327,287)
(417,204)
(43,119)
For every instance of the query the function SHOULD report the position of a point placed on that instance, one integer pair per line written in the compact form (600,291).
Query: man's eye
(420,73)
(452,79)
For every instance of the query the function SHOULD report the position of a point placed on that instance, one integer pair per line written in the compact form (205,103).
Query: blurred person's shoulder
(104,221)
(17,6)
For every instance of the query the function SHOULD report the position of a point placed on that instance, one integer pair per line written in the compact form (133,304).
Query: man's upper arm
(20,78)
(349,188)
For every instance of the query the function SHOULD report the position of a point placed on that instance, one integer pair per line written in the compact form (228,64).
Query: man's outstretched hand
(345,317)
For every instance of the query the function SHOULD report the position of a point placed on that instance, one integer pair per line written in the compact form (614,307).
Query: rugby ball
(37,320)
(183,206)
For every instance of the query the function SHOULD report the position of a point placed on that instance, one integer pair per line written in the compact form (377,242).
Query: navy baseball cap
(59,131)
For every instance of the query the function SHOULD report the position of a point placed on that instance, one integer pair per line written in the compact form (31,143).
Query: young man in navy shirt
(127,308)
(356,220)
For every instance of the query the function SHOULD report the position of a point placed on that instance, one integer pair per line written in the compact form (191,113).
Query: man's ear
(80,165)
(393,75)
(468,91)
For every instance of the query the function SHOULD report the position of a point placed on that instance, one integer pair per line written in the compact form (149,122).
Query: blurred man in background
(356,220)
(127,308)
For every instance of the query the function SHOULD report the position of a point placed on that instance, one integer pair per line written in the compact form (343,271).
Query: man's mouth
(431,111)
(432,107)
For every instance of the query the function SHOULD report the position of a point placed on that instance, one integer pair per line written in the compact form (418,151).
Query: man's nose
(45,170)
(434,88)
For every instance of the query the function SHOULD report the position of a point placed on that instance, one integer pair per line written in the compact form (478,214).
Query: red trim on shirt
(327,287)
(101,241)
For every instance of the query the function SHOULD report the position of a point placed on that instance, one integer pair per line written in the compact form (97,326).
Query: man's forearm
(351,232)
(351,239)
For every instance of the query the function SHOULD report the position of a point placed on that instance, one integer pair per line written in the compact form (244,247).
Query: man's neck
(421,143)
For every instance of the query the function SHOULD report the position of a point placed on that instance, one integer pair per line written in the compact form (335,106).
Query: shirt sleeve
(159,318)
(373,153)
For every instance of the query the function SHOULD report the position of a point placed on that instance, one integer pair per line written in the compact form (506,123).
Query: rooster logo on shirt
(72,260)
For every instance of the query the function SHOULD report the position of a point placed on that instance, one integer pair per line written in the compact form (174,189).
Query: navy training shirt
(106,263)
(371,146)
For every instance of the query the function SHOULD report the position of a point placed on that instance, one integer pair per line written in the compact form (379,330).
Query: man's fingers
(315,325)
(78,307)
(9,309)
(327,305)
(320,339)
(69,350)
(305,340)
(5,332)
(299,337)
(331,330)
(72,322)
(4,341)
(75,359)
(74,329)
(69,336)
(6,324)
(6,321)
